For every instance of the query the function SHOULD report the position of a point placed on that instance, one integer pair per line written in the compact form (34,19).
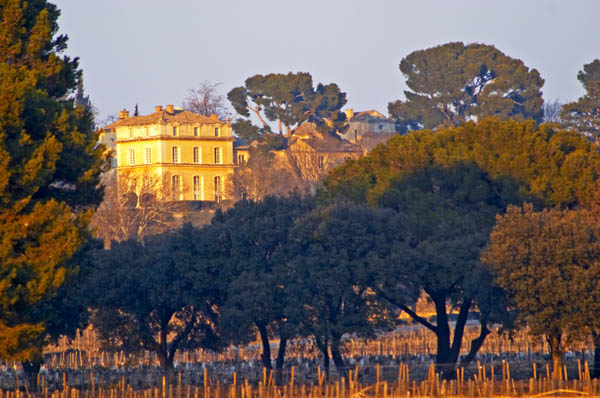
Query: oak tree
(547,261)
(162,295)
(444,216)
(258,295)
(507,161)
(332,251)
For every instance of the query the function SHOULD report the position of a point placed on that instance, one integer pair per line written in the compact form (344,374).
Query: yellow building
(187,155)
(312,154)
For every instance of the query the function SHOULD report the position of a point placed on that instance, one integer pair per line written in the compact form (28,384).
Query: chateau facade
(368,128)
(183,155)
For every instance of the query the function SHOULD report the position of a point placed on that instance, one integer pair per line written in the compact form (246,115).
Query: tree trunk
(557,354)
(459,330)
(477,342)
(443,363)
(447,354)
(322,345)
(166,364)
(336,355)
(258,115)
(280,360)
(31,370)
(266,347)
(596,367)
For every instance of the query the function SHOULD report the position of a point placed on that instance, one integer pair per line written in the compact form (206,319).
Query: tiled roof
(319,142)
(366,115)
(178,116)
(331,144)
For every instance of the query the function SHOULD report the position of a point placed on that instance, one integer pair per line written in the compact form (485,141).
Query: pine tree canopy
(290,99)
(453,83)
(583,115)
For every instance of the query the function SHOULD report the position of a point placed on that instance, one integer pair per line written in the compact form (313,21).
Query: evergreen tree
(583,115)
(290,100)
(49,169)
(448,209)
(547,261)
(453,83)
(333,250)
(162,295)
(258,295)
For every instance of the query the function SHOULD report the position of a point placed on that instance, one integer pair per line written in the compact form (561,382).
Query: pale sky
(150,52)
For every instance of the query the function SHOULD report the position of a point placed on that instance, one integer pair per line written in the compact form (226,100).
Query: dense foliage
(161,295)
(547,261)
(583,115)
(444,217)
(256,255)
(411,218)
(49,169)
(454,83)
(551,166)
(333,250)
(289,100)
(447,186)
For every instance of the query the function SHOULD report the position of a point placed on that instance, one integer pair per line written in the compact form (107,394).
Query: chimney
(171,109)
(158,108)
(124,114)
(349,113)
(214,116)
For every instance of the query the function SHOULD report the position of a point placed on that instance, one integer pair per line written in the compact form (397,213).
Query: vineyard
(397,364)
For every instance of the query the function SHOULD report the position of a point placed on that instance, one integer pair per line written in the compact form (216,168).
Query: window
(218,189)
(175,154)
(197,155)
(198,188)
(176,187)
(195,131)
(216,132)
(320,162)
(147,155)
(241,160)
(217,155)
(131,156)
(174,131)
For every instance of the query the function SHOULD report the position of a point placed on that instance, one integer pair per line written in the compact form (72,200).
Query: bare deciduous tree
(206,100)
(134,207)
(552,111)
(261,176)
